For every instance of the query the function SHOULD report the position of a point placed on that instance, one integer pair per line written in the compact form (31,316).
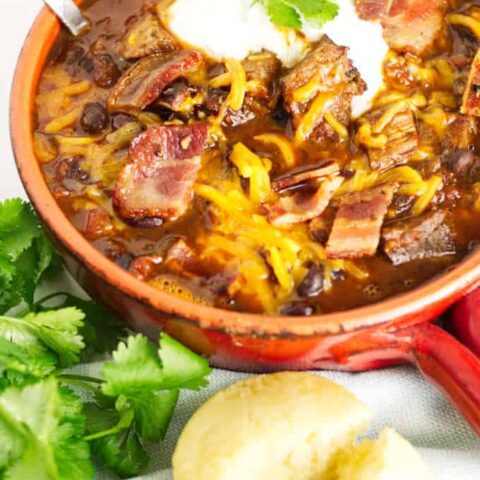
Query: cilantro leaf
(315,12)
(58,330)
(295,13)
(282,14)
(19,366)
(25,253)
(72,452)
(136,368)
(123,453)
(10,211)
(114,439)
(44,334)
(139,367)
(45,430)
(101,328)
(181,367)
(153,413)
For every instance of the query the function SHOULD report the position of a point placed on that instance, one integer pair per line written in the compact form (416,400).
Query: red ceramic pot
(394,331)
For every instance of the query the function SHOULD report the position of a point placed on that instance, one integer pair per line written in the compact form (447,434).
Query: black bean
(299,309)
(106,72)
(312,284)
(120,119)
(94,119)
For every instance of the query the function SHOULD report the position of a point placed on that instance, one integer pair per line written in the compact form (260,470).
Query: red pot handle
(444,361)
(466,321)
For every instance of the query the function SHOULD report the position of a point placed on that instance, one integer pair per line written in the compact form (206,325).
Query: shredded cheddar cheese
(283,144)
(238,90)
(339,128)
(465,21)
(77,88)
(252,167)
(434,184)
(307,91)
(436,118)
(58,124)
(314,115)
(366,137)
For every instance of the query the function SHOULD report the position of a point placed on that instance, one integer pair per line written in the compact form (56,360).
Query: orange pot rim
(445,289)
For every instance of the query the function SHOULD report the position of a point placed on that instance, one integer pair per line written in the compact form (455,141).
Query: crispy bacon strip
(471,97)
(157,184)
(299,208)
(356,230)
(143,83)
(304,176)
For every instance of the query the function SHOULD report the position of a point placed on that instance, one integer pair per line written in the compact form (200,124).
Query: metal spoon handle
(69,14)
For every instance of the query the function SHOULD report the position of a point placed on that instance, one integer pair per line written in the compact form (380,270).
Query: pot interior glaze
(421,304)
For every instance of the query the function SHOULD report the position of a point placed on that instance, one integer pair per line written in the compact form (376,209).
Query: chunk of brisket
(157,184)
(471,96)
(333,75)
(410,26)
(143,83)
(402,139)
(458,155)
(356,229)
(145,36)
(262,71)
(418,238)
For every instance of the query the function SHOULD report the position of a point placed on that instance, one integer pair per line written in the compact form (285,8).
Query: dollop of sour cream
(237,28)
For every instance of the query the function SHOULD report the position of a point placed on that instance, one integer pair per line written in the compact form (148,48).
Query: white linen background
(399,397)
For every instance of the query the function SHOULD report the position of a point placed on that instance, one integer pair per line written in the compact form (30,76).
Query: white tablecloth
(399,397)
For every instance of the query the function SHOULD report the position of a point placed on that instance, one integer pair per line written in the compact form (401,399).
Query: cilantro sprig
(297,13)
(25,253)
(52,420)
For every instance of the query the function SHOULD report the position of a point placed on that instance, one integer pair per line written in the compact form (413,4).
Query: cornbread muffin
(391,457)
(284,426)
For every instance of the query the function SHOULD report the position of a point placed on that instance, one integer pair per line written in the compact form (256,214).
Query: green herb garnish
(53,421)
(297,13)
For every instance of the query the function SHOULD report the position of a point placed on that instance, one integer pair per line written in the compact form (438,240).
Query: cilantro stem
(105,433)
(125,423)
(50,296)
(82,381)
(83,378)
(40,302)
